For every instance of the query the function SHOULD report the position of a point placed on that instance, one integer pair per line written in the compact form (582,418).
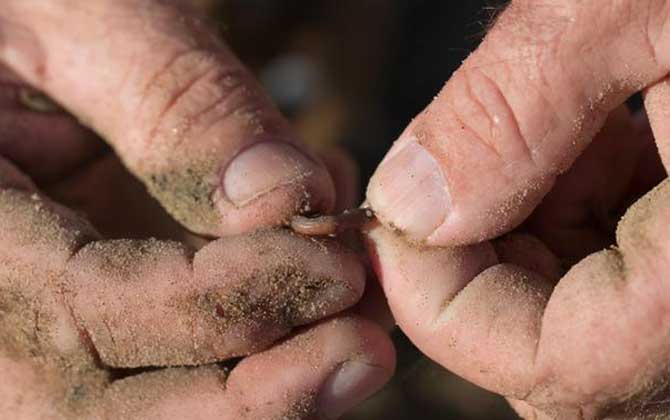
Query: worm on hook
(352,219)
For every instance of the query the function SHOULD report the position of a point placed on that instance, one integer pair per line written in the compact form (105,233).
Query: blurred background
(353,73)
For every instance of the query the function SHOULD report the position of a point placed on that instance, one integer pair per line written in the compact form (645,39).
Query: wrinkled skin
(96,321)
(550,315)
(476,164)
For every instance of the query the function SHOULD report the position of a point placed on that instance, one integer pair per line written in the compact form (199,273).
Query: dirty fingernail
(263,168)
(409,191)
(350,384)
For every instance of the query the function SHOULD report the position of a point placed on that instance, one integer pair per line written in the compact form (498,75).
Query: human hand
(86,322)
(478,162)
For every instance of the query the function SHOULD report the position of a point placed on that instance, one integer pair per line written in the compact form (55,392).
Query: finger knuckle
(192,92)
(490,114)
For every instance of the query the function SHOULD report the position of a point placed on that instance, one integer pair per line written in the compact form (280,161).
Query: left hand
(92,322)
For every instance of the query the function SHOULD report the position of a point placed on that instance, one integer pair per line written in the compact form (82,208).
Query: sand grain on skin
(187,194)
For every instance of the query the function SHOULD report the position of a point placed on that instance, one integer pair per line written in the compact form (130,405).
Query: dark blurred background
(353,73)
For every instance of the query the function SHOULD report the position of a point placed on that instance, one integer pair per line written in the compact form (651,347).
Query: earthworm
(332,225)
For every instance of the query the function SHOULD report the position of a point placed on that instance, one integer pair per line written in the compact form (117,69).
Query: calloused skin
(97,322)
(567,316)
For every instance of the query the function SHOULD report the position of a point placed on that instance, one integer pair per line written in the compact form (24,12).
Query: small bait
(352,219)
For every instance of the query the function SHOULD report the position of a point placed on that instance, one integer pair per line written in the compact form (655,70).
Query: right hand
(497,141)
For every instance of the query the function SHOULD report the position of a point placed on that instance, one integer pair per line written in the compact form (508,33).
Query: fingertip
(263,186)
(418,192)
(278,176)
(356,379)
(322,371)
(409,192)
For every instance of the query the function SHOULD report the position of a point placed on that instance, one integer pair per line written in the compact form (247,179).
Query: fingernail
(264,167)
(350,384)
(409,191)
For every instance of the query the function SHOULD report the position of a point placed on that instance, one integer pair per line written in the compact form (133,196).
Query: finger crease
(516,126)
(174,99)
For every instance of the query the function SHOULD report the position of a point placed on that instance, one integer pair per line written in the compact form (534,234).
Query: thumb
(518,112)
(182,112)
